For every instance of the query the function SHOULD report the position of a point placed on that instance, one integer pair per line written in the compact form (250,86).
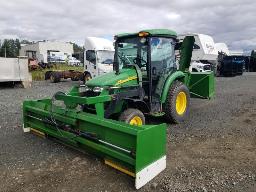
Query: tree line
(9,47)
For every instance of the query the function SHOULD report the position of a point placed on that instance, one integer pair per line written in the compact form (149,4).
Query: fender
(168,83)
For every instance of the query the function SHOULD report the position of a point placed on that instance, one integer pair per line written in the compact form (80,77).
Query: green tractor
(106,115)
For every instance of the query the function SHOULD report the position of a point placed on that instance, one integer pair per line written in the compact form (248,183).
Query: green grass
(38,75)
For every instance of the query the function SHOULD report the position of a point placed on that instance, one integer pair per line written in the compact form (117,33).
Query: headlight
(97,89)
(116,87)
(86,88)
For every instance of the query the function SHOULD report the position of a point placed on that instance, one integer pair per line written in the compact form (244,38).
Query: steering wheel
(140,61)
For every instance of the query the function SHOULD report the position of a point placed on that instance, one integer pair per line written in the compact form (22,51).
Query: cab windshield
(105,57)
(134,50)
(131,50)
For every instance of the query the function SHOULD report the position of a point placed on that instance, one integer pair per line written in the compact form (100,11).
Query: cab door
(162,62)
(91,62)
(162,65)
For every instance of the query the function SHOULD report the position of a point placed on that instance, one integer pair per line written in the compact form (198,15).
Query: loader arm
(200,84)
(186,53)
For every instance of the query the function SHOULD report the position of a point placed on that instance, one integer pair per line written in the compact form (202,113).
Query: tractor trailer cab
(99,56)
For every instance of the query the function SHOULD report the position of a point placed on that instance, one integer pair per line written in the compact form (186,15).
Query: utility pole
(5,52)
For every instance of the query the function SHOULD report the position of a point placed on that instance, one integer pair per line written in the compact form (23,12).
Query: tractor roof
(152,32)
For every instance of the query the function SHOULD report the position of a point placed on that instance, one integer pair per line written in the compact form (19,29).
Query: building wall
(31,47)
(57,46)
(41,49)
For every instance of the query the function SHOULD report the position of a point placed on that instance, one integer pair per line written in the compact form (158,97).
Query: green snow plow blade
(139,151)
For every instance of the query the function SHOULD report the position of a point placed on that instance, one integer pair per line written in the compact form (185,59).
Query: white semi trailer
(222,48)
(204,54)
(98,57)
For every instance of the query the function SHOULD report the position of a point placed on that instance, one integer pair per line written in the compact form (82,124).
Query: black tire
(129,114)
(18,85)
(47,75)
(74,79)
(55,77)
(170,110)
(87,76)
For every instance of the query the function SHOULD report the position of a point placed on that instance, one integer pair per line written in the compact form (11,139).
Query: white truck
(204,55)
(98,57)
(73,61)
(57,57)
(60,57)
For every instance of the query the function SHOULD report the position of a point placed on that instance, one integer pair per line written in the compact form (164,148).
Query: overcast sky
(229,21)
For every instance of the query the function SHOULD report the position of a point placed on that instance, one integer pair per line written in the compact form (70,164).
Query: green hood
(127,76)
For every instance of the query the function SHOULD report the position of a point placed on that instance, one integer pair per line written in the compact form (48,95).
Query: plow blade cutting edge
(139,151)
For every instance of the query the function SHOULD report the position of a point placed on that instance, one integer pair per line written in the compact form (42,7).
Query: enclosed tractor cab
(106,115)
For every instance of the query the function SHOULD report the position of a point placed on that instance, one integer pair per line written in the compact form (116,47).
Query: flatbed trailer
(56,76)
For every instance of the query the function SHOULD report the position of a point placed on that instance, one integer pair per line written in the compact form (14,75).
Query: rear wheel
(47,75)
(74,78)
(176,107)
(55,77)
(132,117)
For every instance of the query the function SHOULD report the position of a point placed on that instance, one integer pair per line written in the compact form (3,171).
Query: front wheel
(132,117)
(87,77)
(176,107)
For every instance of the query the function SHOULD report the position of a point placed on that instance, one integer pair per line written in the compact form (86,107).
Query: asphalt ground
(213,150)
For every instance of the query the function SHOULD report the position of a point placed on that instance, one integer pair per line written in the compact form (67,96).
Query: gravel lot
(214,150)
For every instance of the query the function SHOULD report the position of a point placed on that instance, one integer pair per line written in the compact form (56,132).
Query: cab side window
(162,51)
(91,56)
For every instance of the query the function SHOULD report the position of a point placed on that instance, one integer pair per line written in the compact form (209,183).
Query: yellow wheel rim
(181,103)
(136,120)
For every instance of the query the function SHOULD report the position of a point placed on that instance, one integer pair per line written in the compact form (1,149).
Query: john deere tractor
(106,115)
